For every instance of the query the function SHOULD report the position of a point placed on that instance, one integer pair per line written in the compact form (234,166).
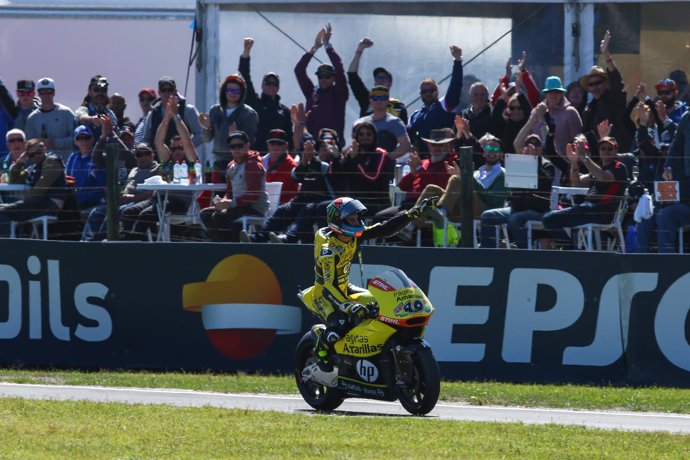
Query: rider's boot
(323,370)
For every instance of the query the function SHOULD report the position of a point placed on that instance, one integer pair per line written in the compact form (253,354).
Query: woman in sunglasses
(230,114)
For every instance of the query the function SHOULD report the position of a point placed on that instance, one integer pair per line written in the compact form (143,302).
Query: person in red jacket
(245,194)
(279,164)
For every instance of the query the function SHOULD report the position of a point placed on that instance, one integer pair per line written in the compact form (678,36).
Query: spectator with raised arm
(271,112)
(609,101)
(382,77)
(229,115)
(52,123)
(325,102)
(509,113)
(523,82)
(391,134)
(436,113)
(190,116)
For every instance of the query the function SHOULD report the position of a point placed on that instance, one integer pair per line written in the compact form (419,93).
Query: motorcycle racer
(333,298)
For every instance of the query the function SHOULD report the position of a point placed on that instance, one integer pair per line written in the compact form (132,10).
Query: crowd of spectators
(588,133)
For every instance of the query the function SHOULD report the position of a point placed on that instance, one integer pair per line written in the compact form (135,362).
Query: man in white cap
(52,123)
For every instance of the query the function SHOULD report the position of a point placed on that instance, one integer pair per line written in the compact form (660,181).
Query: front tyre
(419,395)
(318,396)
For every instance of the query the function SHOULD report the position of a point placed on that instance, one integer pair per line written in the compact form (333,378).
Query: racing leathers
(333,298)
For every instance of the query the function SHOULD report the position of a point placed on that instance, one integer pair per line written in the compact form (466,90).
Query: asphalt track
(629,421)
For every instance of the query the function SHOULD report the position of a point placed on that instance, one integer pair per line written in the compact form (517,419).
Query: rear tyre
(419,397)
(318,396)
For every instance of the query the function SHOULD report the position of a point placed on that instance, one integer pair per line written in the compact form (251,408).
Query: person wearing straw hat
(608,101)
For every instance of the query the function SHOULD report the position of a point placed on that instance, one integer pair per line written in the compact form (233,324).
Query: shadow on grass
(351,413)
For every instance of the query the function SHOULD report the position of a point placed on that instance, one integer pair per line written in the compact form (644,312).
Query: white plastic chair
(587,233)
(273,189)
(35,222)
(556,192)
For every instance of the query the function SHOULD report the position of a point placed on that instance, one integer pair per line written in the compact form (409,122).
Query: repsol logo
(94,323)
(525,316)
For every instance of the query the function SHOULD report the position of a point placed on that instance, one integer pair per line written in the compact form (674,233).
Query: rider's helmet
(339,210)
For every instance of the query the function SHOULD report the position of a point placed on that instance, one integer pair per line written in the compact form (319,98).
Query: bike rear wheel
(420,395)
(318,396)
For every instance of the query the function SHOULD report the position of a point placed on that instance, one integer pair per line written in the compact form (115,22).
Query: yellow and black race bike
(383,357)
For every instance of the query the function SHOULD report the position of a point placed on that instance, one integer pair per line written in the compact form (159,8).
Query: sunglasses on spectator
(665,92)
(365,134)
(492,148)
(22,93)
(83,138)
(534,144)
(276,142)
(592,84)
(513,108)
(427,91)
(146,99)
(167,89)
(325,76)
(14,140)
(46,91)
(378,98)
(271,83)
(142,152)
(99,89)
(237,145)
(606,148)
(177,148)
(382,78)
(234,91)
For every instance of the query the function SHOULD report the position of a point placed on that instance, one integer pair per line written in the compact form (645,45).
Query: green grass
(475,393)
(82,430)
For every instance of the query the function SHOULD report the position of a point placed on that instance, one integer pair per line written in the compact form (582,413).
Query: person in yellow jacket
(333,298)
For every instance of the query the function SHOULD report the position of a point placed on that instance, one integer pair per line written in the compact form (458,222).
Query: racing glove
(354,310)
(417,210)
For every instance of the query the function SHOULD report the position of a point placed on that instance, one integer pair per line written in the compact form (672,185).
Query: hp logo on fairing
(367,371)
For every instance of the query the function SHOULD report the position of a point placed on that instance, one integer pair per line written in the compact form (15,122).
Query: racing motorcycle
(383,357)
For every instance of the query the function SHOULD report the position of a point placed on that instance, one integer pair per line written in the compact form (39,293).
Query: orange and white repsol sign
(241,306)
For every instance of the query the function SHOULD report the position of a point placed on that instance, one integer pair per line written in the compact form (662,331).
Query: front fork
(403,360)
